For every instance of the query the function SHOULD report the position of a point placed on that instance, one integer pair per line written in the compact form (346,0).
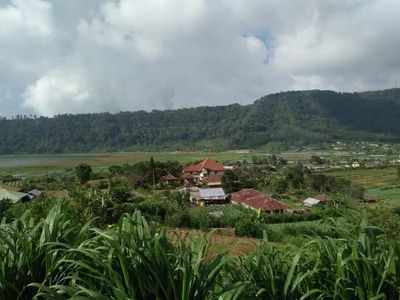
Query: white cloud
(85,56)
(57,90)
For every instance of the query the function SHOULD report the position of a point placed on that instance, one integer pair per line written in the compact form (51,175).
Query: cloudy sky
(78,56)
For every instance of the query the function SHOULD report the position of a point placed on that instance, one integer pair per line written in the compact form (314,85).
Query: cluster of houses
(207,172)
(210,172)
(355,164)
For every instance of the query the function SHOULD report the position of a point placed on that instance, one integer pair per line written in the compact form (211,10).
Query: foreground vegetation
(58,257)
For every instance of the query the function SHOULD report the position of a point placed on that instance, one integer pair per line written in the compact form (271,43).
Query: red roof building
(207,164)
(205,169)
(169,177)
(370,164)
(212,180)
(258,201)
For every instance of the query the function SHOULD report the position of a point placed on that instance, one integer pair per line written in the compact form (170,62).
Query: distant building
(312,202)
(213,181)
(205,169)
(323,198)
(34,193)
(14,197)
(208,196)
(317,167)
(355,164)
(370,164)
(255,200)
(170,179)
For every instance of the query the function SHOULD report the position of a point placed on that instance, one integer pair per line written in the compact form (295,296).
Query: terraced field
(389,195)
(370,178)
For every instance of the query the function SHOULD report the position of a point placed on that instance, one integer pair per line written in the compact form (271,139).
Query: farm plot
(389,195)
(370,178)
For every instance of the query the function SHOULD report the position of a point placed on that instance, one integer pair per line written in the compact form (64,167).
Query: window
(215,172)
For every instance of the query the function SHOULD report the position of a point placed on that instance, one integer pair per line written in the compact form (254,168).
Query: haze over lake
(15,161)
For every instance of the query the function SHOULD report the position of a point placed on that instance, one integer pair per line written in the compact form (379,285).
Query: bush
(249,228)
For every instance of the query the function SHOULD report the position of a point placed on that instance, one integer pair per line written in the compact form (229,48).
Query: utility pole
(45,185)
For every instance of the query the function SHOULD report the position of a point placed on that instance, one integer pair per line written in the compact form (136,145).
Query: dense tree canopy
(308,116)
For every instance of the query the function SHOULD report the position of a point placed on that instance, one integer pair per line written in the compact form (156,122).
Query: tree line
(306,116)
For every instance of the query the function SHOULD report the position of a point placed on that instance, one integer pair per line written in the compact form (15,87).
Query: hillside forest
(290,117)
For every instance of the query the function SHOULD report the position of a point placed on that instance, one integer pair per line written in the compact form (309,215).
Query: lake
(16,161)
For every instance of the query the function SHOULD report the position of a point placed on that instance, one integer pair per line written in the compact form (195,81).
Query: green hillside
(310,116)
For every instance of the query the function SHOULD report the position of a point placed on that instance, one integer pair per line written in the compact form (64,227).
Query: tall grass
(55,259)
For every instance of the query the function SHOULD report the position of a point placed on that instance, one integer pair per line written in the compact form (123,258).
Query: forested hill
(302,115)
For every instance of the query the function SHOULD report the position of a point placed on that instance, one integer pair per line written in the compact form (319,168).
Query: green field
(389,194)
(370,178)
(102,161)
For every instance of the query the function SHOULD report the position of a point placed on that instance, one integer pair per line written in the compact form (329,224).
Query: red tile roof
(257,200)
(188,176)
(169,177)
(208,164)
(212,179)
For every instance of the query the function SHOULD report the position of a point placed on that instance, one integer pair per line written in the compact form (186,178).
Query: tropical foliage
(59,258)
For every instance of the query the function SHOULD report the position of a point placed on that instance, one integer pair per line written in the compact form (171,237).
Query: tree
(316,160)
(83,172)
(279,186)
(294,176)
(230,182)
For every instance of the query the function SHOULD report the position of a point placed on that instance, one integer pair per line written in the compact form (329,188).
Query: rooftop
(257,200)
(207,164)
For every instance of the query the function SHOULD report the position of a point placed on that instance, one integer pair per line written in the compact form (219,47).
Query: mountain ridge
(308,116)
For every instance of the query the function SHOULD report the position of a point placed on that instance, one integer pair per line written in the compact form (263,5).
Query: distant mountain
(311,116)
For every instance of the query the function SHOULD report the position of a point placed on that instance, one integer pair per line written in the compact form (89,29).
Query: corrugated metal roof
(35,192)
(257,200)
(13,196)
(212,193)
(311,201)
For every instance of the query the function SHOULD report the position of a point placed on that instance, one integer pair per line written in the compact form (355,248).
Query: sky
(84,56)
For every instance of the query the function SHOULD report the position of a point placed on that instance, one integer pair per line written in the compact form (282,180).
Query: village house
(204,197)
(370,164)
(317,167)
(169,179)
(205,169)
(355,164)
(213,181)
(255,200)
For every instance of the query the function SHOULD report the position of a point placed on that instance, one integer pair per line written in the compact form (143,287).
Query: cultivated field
(370,178)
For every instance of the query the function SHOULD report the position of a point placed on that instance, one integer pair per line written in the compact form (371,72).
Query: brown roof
(212,179)
(169,177)
(323,197)
(257,200)
(188,176)
(208,164)
(370,164)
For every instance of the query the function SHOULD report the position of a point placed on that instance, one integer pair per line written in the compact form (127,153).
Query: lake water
(15,161)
